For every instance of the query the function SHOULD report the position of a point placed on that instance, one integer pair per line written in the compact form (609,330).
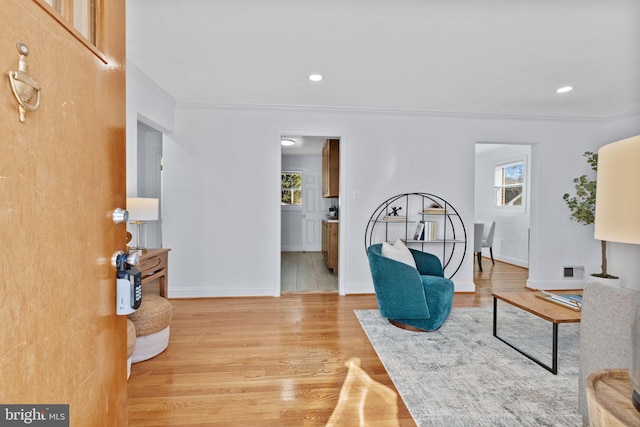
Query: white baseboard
(350,288)
(464,286)
(367,288)
(512,261)
(176,292)
(359,288)
(555,285)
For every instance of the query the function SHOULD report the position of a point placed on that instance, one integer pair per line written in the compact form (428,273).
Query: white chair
(487,236)
(478,229)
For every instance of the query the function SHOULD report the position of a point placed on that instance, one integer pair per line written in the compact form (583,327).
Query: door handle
(120,215)
(23,85)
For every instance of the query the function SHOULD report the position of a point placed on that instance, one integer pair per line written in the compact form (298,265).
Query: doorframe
(143,130)
(531,188)
(342,201)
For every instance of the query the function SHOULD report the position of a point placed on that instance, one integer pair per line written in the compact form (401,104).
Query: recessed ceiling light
(315,77)
(564,89)
(287,141)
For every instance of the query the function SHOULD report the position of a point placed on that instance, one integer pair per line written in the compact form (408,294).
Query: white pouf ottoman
(152,327)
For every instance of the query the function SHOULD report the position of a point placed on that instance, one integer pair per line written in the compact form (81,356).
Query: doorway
(149,176)
(512,219)
(302,266)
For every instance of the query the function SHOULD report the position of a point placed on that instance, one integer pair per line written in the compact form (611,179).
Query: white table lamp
(142,209)
(618,218)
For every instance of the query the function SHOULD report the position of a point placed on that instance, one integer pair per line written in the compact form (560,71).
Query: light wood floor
(306,272)
(269,361)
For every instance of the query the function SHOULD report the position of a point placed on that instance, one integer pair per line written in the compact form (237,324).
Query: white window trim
(525,184)
(293,207)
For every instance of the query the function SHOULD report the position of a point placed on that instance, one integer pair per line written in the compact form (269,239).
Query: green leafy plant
(583,206)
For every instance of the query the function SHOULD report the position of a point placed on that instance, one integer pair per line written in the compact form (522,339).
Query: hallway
(306,272)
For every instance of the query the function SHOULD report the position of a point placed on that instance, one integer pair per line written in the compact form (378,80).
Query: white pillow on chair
(399,252)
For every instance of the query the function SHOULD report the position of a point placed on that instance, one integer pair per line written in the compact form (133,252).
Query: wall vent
(573,272)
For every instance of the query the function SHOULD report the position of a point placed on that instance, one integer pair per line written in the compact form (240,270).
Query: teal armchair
(414,299)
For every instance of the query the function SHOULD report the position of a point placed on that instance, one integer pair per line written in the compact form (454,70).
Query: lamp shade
(142,209)
(617,196)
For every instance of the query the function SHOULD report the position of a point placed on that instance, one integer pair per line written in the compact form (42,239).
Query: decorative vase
(616,283)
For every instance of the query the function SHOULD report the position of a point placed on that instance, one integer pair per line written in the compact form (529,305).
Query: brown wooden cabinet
(330,244)
(330,168)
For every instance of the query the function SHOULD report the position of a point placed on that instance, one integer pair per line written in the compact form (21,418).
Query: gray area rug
(460,375)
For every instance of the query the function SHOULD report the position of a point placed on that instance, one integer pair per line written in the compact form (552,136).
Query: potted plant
(583,208)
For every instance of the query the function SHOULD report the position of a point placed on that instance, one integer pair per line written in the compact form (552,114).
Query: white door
(314,209)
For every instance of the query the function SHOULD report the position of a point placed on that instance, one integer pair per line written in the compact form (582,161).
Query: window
(82,18)
(509,184)
(80,14)
(291,189)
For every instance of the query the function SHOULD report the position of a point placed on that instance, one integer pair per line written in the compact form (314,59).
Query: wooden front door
(62,173)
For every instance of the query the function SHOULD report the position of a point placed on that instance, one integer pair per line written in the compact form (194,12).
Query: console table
(154,264)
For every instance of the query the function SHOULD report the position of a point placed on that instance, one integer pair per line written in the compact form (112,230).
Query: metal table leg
(554,367)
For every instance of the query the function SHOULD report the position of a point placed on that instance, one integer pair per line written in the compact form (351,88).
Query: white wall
(222,216)
(148,103)
(383,154)
(511,238)
(561,241)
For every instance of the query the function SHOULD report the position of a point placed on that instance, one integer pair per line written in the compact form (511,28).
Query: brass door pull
(23,85)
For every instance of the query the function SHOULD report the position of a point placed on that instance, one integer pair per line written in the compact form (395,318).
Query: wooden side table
(609,399)
(154,264)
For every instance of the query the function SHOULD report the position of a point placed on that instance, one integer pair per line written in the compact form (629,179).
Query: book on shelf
(572,301)
(429,230)
(419,230)
(425,231)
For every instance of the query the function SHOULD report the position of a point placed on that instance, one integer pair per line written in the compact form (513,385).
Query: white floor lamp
(618,218)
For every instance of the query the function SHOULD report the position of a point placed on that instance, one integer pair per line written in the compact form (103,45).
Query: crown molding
(402,112)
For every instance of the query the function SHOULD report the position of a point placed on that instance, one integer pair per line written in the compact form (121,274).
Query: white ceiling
(304,146)
(467,56)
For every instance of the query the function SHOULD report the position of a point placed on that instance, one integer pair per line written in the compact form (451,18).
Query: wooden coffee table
(554,313)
